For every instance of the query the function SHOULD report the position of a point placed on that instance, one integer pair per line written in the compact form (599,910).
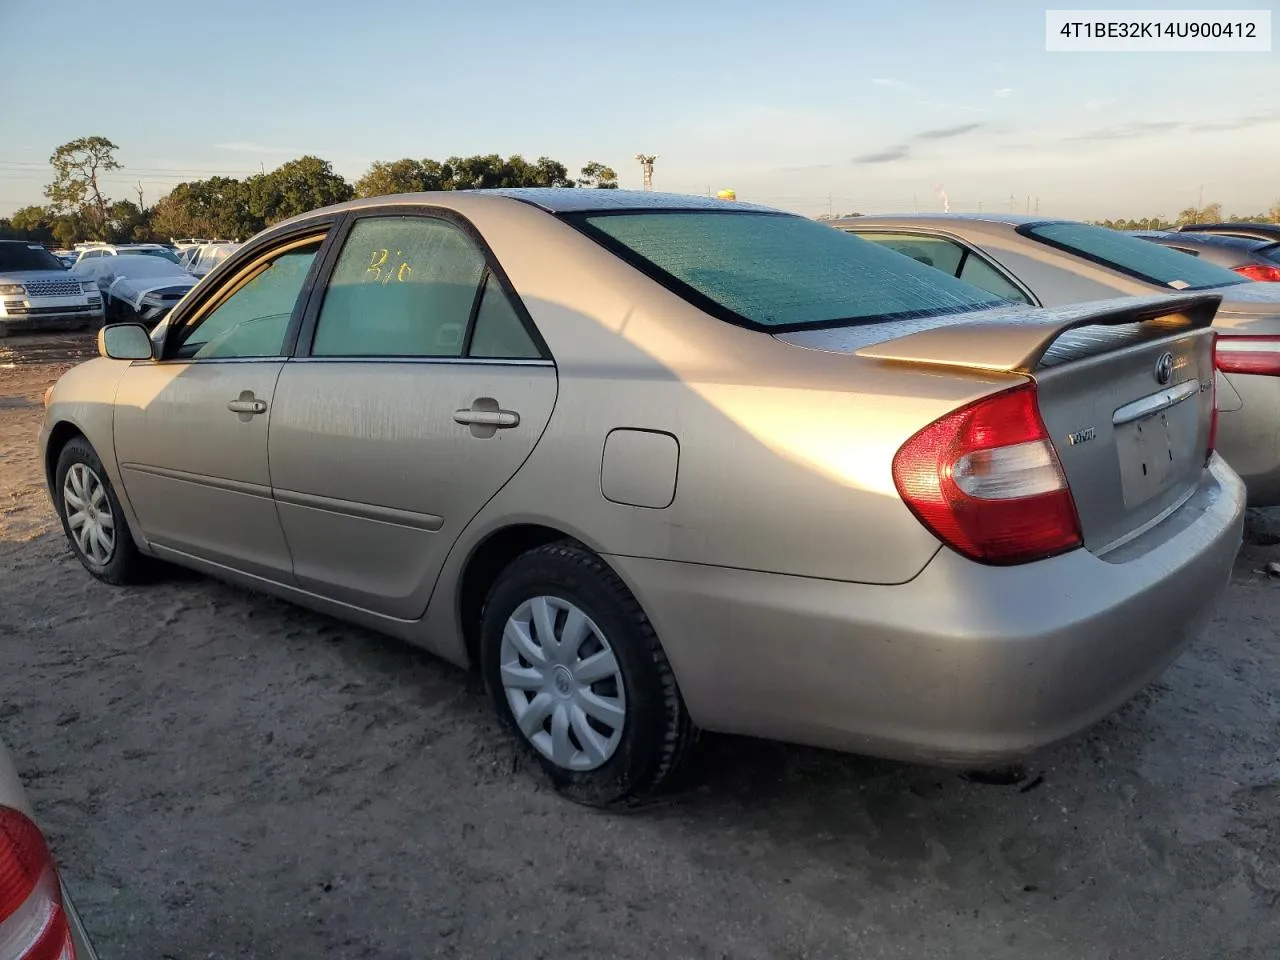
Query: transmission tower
(646,164)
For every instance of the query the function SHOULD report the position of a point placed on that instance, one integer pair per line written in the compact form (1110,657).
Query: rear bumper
(966,665)
(1249,436)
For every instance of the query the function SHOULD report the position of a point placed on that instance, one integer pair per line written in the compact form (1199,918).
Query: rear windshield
(779,271)
(1139,258)
(20,256)
(1272,252)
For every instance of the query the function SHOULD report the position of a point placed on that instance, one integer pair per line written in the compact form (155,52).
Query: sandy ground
(225,776)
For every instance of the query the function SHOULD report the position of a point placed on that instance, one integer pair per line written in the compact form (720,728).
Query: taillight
(987,481)
(33,925)
(1257,355)
(1213,417)
(1259,271)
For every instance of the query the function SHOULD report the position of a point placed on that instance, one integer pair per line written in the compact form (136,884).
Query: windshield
(130,265)
(24,256)
(151,252)
(1136,257)
(779,272)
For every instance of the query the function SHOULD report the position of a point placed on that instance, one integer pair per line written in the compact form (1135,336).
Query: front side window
(253,316)
(402,287)
(1140,258)
(778,271)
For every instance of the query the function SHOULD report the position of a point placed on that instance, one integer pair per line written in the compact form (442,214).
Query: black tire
(657,733)
(124,564)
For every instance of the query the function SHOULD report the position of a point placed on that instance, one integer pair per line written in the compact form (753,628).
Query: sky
(815,107)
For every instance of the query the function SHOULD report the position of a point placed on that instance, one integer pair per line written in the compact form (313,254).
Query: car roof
(1204,239)
(938,219)
(554,200)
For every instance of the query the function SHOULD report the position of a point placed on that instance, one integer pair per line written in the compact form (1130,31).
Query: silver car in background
(1045,262)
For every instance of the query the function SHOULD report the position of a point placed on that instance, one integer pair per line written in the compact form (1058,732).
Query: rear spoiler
(1017,342)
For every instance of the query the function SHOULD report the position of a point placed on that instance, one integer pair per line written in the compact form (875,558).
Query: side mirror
(125,341)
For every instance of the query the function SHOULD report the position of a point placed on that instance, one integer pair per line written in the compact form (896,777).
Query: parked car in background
(126,249)
(209,256)
(1253,231)
(657,463)
(137,288)
(66,257)
(1255,259)
(1054,262)
(38,292)
(38,921)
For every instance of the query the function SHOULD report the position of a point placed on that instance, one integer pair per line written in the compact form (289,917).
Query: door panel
(191,431)
(374,477)
(194,470)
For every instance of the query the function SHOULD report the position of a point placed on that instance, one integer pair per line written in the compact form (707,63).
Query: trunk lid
(1125,389)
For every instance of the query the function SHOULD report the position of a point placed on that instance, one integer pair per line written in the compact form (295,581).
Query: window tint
(1142,258)
(402,287)
(778,270)
(252,322)
(499,333)
(982,275)
(933,252)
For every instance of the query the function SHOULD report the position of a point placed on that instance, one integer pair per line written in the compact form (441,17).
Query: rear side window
(402,287)
(1271,253)
(1139,258)
(498,333)
(778,271)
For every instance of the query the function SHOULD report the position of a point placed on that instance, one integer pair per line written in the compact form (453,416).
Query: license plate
(1156,451)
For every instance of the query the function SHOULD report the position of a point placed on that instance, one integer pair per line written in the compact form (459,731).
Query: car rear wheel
(575,669)
(91,516)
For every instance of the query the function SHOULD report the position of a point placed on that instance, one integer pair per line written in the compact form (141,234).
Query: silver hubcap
(84,499)
(563,683)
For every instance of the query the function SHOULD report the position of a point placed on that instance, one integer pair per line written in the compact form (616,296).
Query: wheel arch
(493,554)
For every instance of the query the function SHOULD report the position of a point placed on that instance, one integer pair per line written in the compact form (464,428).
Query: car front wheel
(576,670)
(91,516)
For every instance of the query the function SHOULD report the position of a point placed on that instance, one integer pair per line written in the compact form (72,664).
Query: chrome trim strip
(1155,402)
(464,361)
(363,511)
(218,483)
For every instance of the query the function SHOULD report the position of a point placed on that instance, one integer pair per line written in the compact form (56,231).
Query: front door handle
(247,406)
(486,417)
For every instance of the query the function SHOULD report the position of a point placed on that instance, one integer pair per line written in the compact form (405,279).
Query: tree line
(230,208)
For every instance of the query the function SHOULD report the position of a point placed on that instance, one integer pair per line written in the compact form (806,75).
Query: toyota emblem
(1164,368)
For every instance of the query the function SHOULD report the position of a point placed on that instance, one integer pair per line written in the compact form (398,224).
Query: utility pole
(830,208)
(979,206)
(1011,203)
(915,198)
(646,165)
(1028,204)
(1037,205)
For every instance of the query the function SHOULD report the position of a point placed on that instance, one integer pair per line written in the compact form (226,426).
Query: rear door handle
(502,419)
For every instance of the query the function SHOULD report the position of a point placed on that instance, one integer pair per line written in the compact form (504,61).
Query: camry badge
(1164,368)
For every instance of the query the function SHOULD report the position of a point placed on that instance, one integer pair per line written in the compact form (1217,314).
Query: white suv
(37,291)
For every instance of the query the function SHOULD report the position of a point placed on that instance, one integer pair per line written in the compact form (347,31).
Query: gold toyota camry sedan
(656,464)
